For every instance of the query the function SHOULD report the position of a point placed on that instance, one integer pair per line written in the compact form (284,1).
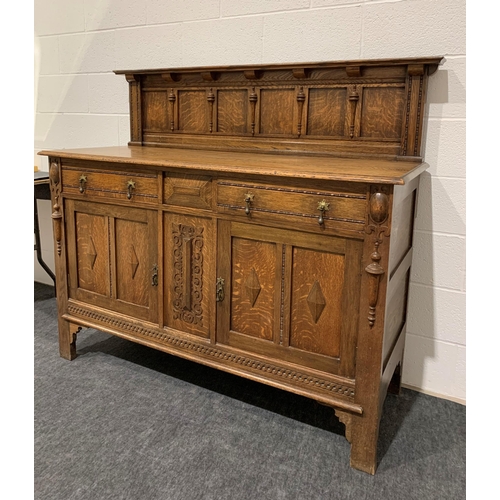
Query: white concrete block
(437,313)
(232,8)
(63,94)
(446,90)
(108,93)
(171,11)
(444,148)
(148,47)
(318,35)
(101,15)
(441,205)
(58,16)
(56,131)
(225,41)
(460,383)
(333,3)
(430,365)
(413,28)
(89,53)
(124,130)
(438,260)
(47,55)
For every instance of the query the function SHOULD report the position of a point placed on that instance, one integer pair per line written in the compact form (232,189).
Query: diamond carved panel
(316,301)
(134,262)
(91,253)
(252,286)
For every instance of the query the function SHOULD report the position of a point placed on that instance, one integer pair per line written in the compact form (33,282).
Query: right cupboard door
(290,295)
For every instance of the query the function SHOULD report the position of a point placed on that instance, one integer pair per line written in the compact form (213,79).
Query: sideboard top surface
(373,170)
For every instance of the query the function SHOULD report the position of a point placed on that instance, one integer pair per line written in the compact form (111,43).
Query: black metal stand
(42,192)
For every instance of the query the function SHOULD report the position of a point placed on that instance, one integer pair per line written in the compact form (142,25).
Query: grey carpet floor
(123,421)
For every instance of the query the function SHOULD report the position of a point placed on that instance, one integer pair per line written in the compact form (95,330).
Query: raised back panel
(353,107)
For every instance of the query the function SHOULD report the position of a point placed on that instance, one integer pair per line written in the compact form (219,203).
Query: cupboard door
(290,295)
(189,252)
(112,254)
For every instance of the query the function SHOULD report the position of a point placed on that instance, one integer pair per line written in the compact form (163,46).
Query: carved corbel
(131,78)
(252,74)
(378,214)
(353,71)
(171,77)
(300,73)
(210,76)
(415,69)
(55,188)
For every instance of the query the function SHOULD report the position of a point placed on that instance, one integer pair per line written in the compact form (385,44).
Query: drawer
(187,190)
(344,209)
(131,187)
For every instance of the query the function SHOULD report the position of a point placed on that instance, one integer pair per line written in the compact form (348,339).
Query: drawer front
(131,187)
(187,190)
(299,206)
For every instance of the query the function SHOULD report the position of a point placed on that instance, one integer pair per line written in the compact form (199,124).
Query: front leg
(67,339)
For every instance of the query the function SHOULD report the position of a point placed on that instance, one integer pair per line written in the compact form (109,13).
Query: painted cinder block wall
(80,103)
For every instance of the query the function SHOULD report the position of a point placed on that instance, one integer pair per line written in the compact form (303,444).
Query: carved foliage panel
(189,268)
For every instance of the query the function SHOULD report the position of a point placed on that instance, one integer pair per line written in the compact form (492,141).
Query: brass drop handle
(323,207)
(83,182)
(248,202)
(154,278)
(219,290)
(130,187)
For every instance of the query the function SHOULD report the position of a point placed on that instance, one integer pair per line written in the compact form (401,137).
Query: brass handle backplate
(248,202)
(154,278)
(130,187)
(323,207)
(219,290)
(83,182)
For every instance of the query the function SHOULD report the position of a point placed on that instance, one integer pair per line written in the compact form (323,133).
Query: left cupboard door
(113,257)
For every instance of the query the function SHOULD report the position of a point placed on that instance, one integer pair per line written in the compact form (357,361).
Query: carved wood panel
(382,112)
(253,277)
(362,107)
(277,108)
(189,273)
(133,267)
(92,252)
(321,120)
(156,111)
(232,111)
(111,255)
(193,111)
(316,301)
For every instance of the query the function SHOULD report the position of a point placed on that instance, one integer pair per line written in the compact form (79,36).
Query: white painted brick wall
(82,103)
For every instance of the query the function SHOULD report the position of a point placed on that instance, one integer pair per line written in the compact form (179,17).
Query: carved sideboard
(260,221)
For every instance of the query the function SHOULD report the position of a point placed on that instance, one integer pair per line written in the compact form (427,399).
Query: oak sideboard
(259,221)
